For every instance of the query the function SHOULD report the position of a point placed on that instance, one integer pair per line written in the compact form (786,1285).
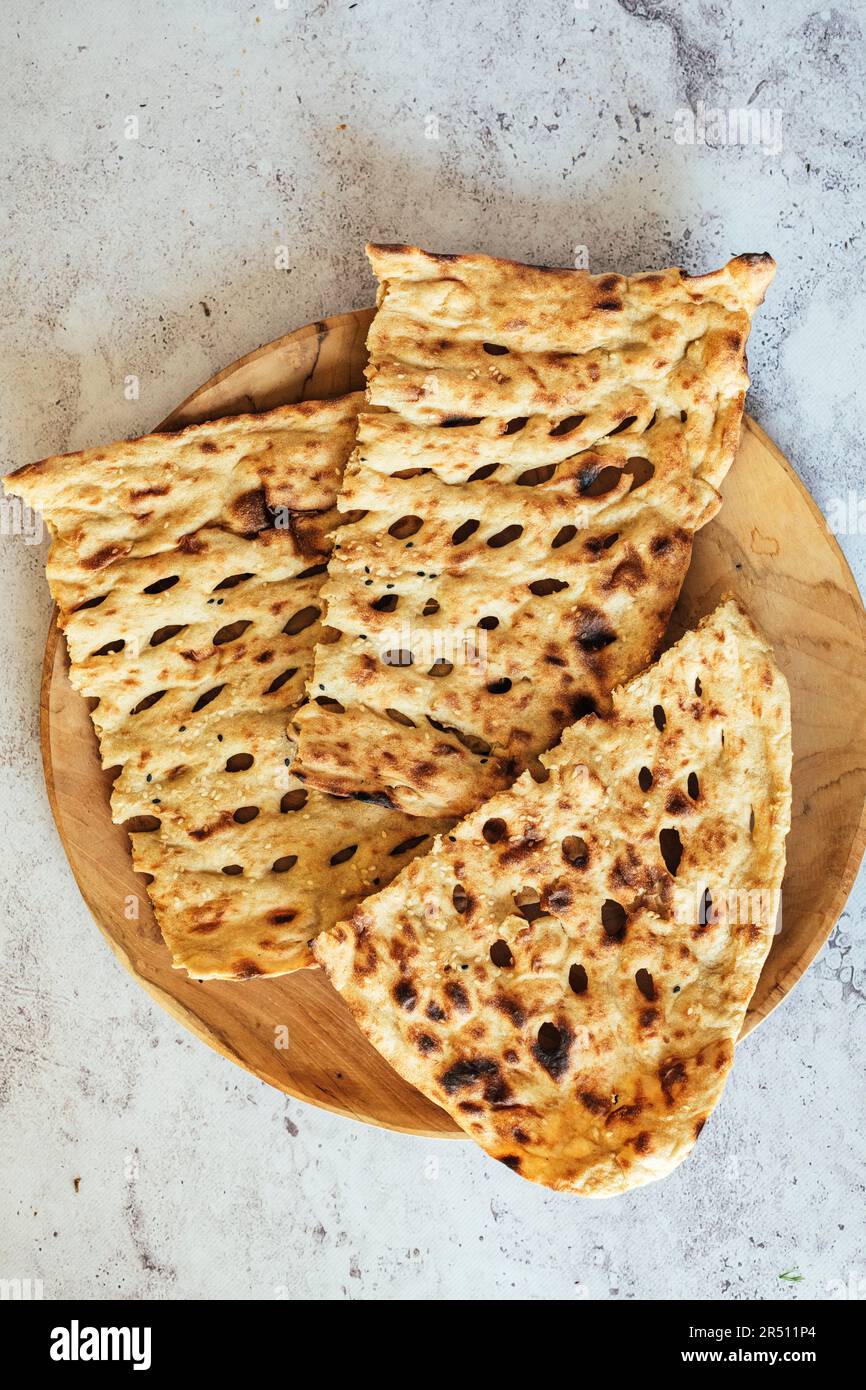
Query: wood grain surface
(769,546)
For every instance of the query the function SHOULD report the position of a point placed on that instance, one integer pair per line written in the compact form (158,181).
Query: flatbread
(567,971)
(538,450)
(187,570)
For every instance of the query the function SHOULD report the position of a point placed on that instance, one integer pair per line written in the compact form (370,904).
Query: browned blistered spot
(191,545)
(405,995)
(593,371)
(425,1043)
(104,556)
(510,1008)
(642,1142)
(511,1161)
(625,1114)
(139,492)
(470,1107)
(519,1135)
(435,1013)
(247,970)
(205,928)
(511,1056)
(522,848)
(648,1017)
(629,574)
(207,446)
(596,1105)
(204,832)
(458,996)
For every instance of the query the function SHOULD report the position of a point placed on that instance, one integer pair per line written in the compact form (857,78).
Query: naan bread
(538,450)
(567,971)
(187,569)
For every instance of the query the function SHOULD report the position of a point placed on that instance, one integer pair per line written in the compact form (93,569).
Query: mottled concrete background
(134,1161)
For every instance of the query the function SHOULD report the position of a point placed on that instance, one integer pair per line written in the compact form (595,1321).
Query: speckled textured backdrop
(134,1161)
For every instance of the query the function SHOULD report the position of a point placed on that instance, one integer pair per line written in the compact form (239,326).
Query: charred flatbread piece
(538,450)
(187,568)
(567,971)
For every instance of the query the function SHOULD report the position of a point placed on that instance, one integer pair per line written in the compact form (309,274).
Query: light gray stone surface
(307,127)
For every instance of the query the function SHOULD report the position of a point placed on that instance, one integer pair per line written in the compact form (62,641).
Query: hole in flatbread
(342,855)
(693,786)
(485,471)
(111,648)
(464,531)
(235,579)
(684,415)
(751,819)
(397,656)
(139,825)
(671,847)
(460,899)
(623,425)
(549,1039)
(500,687)
(494,830)
(528,904)
(158,586)
(534,477)
(244,814)
(294,801)
(644,981)
(575,851)
(280,680)
(165,634)
(400,718)
(405,846)
(495,349)
(406,473)
(147,702)
(441,668)
(515,425)
(659,717)
(330,704)
(542,587)
(430,607)
(598,482)
(537,771)
(705,910)
(699,689)
(563,536)
(613,918)
(577,979)
(566,426)
(239,762)
(282,865)
(206,698)
(488,623)
(405,527)
(386,604)
(505,536)
(233,869)
(645,779)
(582,705)
(454,421)
(500,954)
(304,618)
(470,741)
(351,517)
(310,573)
(640,471)
(92,602)
(231,632)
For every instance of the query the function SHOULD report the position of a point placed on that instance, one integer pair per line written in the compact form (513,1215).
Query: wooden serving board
(769,546)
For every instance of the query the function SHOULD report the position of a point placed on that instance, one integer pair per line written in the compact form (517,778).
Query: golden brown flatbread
(187,570)
(567,971)
(538,450)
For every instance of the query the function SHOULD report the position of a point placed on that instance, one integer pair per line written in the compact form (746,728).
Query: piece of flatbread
(539,448)
(187,569)
(567,971)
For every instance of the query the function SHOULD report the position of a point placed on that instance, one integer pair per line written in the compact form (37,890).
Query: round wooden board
(769,546)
